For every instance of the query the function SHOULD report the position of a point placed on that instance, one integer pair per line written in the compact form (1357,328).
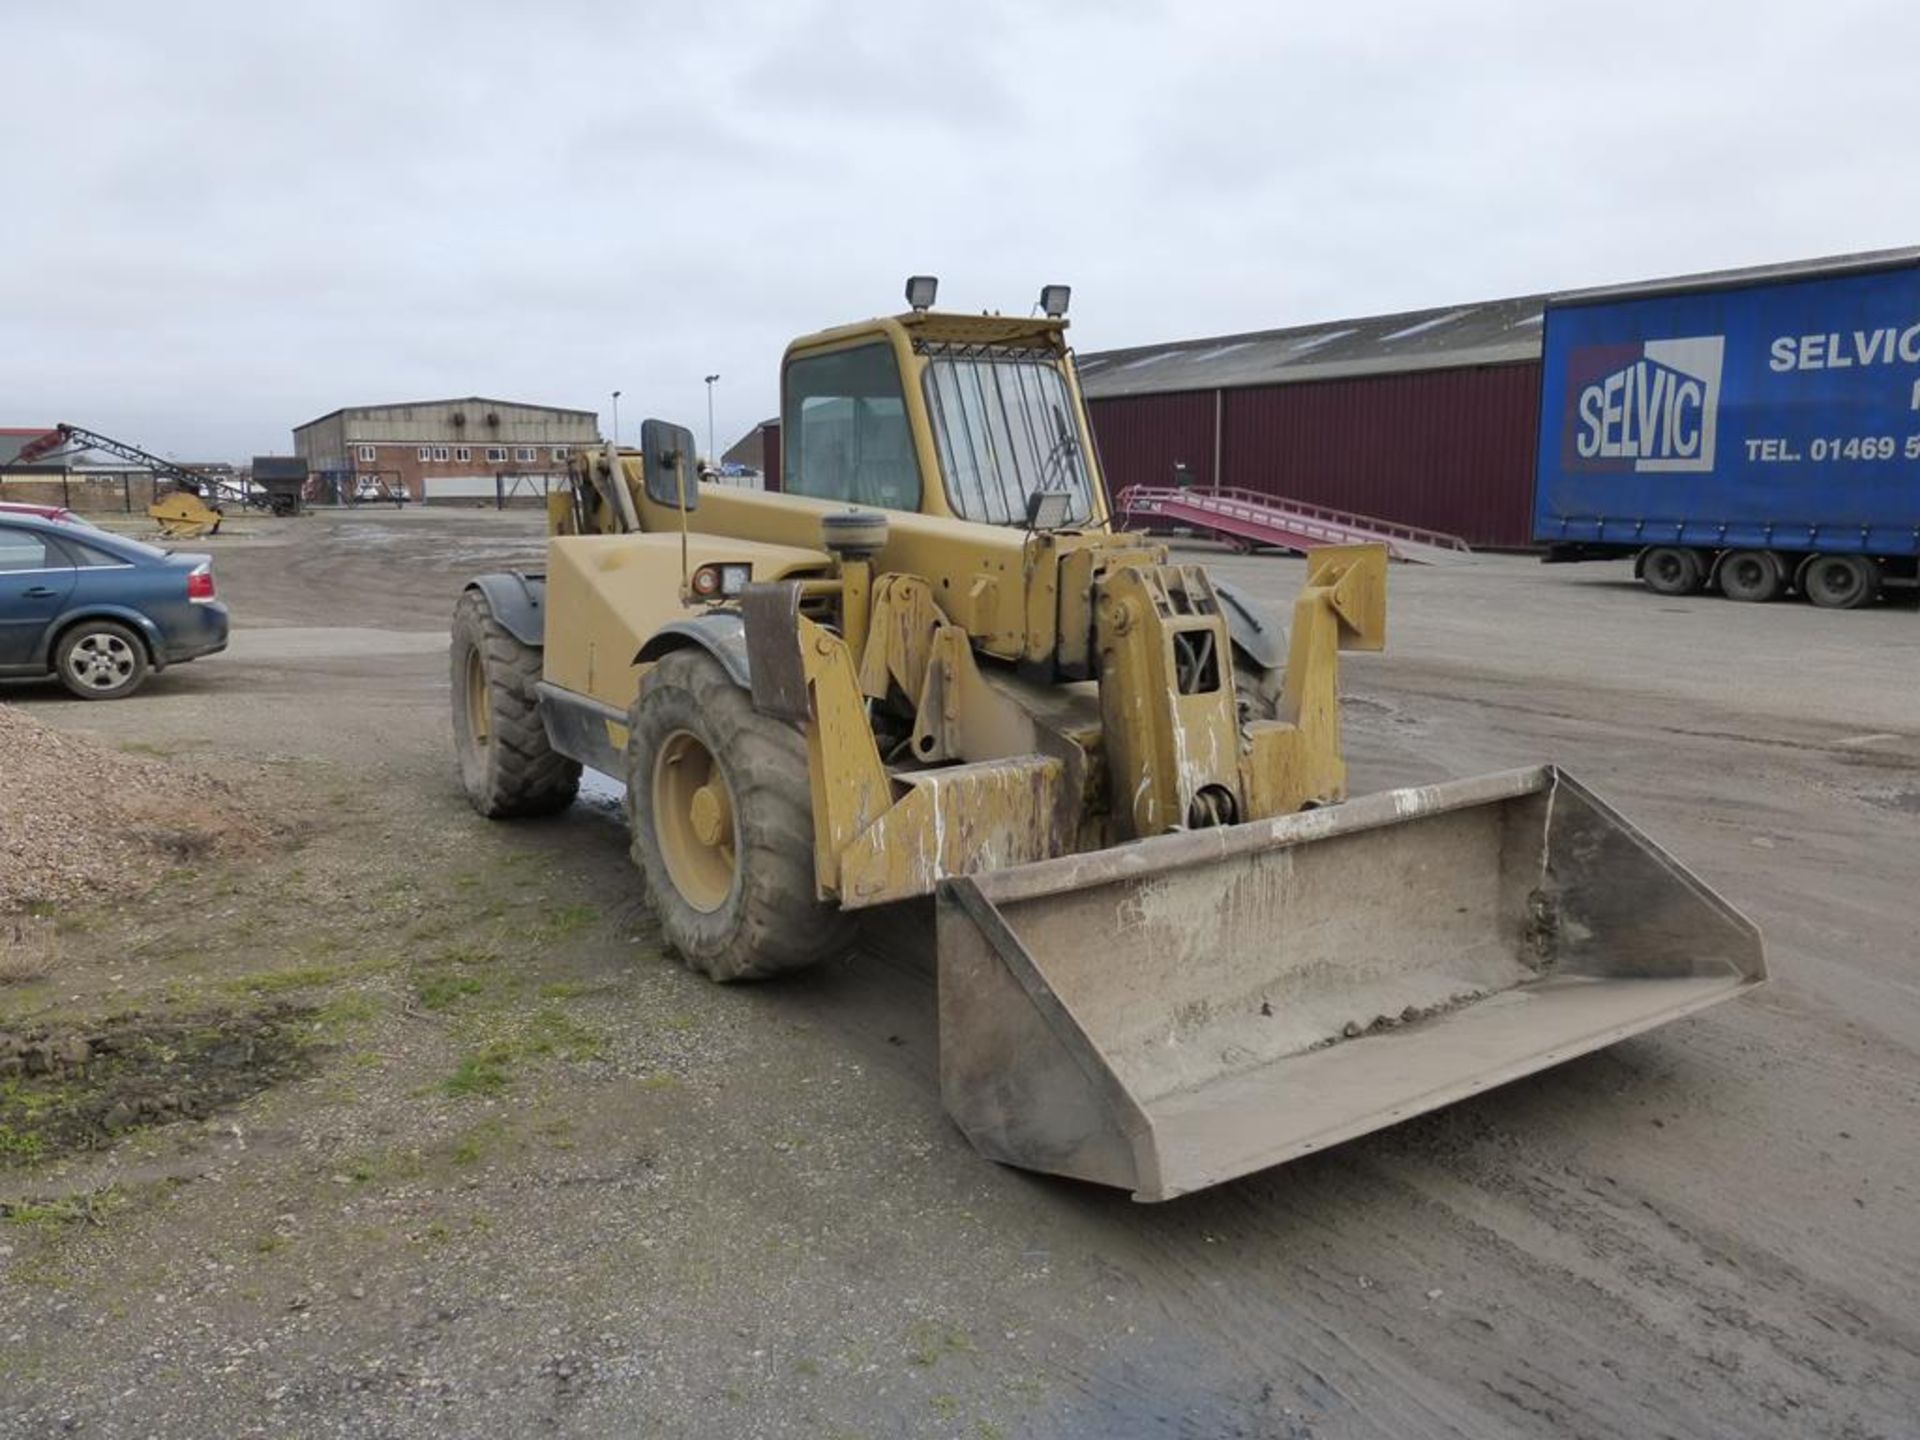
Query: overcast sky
(226,219)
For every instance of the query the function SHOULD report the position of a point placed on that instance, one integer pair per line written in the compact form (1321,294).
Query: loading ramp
(1249,518)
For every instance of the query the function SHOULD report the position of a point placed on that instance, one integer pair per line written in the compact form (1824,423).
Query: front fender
(721,633)
(518,601)
(1256,632)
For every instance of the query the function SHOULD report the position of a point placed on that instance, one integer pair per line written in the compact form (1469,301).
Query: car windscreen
(1005,429)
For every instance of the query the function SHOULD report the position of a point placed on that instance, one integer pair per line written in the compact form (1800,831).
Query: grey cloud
(230,218)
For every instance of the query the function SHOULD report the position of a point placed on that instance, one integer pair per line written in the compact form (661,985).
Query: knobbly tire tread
(772,922)
(527,777)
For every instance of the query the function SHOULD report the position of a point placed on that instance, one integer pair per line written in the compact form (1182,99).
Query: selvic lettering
(1646,411)
(1884,345)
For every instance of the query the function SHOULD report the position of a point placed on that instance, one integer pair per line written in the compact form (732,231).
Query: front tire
(506,764)
(722,822)
(101,660)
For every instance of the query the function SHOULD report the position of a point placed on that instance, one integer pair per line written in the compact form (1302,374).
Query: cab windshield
(1005,429)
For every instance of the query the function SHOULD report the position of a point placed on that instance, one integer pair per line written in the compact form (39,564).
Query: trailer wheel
(1672,570)
(721,815)
(1752,575)
(1840,582)
(508,768)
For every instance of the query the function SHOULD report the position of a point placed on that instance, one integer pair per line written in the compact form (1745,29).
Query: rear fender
(132,619)
(518,601)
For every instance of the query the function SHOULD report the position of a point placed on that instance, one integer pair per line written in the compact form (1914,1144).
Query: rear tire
(101,660)
(1755,576)
(509,769)
(721,816)
(1672,570)
(1840,582)
(1258,690)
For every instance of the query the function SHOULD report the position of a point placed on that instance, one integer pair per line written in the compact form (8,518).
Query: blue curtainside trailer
(1758,433)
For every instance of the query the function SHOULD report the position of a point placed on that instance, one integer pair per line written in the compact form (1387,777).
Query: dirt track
(541,1179)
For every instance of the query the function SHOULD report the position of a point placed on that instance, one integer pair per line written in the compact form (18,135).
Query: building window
(462,454)
(366,455)
(440,452)
(559,452)
(426,453)
(496,454)
(526,454)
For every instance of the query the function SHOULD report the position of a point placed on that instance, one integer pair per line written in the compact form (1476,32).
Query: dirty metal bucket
(1173,1013)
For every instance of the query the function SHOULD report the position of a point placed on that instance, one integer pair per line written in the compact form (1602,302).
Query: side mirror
(671,464)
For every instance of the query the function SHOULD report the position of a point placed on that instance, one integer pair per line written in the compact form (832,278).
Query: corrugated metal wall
(1451,450)
(1142,437)
(770,453)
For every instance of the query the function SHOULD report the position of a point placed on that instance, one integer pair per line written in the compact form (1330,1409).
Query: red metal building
(1428,418)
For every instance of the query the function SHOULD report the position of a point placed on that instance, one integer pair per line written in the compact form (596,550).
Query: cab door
(36,578)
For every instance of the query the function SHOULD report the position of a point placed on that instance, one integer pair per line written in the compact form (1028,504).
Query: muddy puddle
(66,1087)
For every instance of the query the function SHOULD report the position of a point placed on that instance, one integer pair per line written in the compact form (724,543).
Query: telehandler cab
(1171,951)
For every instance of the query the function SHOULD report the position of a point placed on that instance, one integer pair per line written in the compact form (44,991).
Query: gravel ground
(483,1162)
(83,819)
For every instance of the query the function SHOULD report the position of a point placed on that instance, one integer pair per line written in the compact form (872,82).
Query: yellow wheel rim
(479,708)
(693,817)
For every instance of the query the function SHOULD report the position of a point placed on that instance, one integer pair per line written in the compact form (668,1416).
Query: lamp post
(712,458)
(616,419)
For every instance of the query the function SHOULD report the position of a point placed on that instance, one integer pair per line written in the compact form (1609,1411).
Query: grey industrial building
(464,449)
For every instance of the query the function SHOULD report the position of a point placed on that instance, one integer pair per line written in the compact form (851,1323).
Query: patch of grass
(280,982)
(562,990)
(488,1069)
(566,920)
(476,1144)
(928,1343)
(383,1166)
(18,1145)
(554,1032)
(91,1208)
(947,1407)
(345,1011)
(483,1072)
(443,992)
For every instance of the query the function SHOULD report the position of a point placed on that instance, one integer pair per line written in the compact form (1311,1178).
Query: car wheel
(101,660)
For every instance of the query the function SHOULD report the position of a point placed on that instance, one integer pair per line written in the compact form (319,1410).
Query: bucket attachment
(1169,1014)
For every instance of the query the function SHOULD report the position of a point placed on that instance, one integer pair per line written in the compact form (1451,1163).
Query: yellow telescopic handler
(1171,950)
